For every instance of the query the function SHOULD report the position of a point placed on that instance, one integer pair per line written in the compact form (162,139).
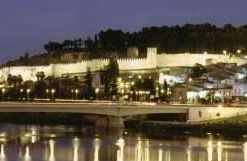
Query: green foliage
(145,84)
(90,93)
(109,76)
(198,70)
(40,89)
(187,38)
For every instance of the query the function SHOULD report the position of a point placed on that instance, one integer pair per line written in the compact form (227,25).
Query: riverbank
(159,129)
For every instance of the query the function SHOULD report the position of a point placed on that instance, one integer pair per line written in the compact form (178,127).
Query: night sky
(25,25)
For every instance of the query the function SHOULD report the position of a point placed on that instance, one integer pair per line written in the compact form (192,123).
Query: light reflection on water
(33,143)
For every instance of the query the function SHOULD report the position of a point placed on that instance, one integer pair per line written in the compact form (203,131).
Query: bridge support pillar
(110,121)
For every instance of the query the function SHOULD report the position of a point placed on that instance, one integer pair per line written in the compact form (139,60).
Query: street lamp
(97,92)
(239,51)
(131,95)
(224,52)
(28,91)
(21,90)
(72,94)
(3,92)
(47,92)
(76,92)
(52,94)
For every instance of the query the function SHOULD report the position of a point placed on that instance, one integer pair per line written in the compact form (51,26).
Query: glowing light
(75,149)
(120,151)
(210,150)
(27,156)
(51,154)
(3,90)
(2,153)
(53,91)
(239,51)
(34,136)
(97,90)
(219,150)
(146,151)
(96,149)
(224,52)
(3,134)
(119,79)
(226,156)
(168,155)
(138,150)
(220,106)
(188,154)
(245,151)
(160,158)
(162,91)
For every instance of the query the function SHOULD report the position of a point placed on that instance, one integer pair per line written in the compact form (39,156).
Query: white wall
(171,60)
(239,89)
(211,112)
(151,62)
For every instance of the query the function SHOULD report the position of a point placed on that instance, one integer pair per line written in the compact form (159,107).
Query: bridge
(115,112)
(91,108)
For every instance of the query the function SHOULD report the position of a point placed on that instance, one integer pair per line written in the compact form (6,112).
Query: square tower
(151,56)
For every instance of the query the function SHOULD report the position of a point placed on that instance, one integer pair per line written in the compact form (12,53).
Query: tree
(90,93)
(145,84)
(19,80)
(112,72)
(108,76)
(104,79)
(198,70)
(26,56)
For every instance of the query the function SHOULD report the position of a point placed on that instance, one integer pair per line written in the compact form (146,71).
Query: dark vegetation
(169,39)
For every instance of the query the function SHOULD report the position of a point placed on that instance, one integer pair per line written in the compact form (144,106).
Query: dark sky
(25,25)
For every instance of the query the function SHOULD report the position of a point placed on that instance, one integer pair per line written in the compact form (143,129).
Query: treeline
(170,39)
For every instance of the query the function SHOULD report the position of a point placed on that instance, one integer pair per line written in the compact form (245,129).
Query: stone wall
(173,60)
(152,61)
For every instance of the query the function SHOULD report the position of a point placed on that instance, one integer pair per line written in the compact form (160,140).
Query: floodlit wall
(152,61)
(202,113)
(173,60)
(27,72)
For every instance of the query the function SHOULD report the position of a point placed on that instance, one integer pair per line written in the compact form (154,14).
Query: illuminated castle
(151,62)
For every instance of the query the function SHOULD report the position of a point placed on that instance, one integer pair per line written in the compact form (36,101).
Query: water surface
(67,143)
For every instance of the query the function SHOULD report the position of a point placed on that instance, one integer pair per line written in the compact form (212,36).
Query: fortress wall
(151,62)
(134,64)
(2,74)
(97,64)
(60,69)
(27,72)
(165,60)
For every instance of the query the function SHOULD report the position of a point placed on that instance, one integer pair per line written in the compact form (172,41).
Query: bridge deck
(90,108)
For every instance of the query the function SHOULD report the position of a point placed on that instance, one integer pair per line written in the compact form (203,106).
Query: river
(68,143)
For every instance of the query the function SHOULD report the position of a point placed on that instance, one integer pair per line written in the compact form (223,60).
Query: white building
(239,89)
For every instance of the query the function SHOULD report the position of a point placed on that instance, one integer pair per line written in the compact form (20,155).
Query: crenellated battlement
(152,61)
